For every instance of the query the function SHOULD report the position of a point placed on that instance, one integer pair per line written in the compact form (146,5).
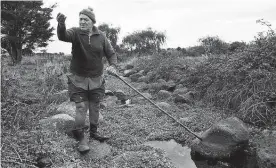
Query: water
(180,156)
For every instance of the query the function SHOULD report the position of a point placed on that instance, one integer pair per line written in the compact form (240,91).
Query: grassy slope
(29,94)
(32,92)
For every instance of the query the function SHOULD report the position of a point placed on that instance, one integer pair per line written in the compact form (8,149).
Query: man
(86,83)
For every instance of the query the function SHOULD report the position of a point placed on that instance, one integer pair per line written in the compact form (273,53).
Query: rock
(266,158)
(179,86)
(121,95)
(186,119)
(60,122)
(163,94)
(266,151)
(129,66)
(103,105)
(182,99)
(222,140)
(150,75)
(155,87)
(147,95)
(101,118)
(143,79)
(109,93)
(129,72)
(161,81)
(135,77)
(111,101)
(164,105)
(67,107)
(139,99)
(180,91)
(43,162)
(142,72)
(170,86)
(175,76)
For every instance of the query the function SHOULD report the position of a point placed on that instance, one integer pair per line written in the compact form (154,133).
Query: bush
(243,81)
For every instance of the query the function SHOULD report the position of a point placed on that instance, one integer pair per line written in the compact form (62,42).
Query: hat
(89,12)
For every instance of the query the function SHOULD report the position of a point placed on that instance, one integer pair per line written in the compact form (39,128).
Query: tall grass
(27,92)
(243,81)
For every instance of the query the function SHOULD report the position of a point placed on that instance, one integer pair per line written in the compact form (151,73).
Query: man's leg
(94,108)
(80,97)
(81,111)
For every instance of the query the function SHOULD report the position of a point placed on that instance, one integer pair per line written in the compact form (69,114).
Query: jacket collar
(95,31)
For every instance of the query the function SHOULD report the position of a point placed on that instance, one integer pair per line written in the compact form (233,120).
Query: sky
(183,21)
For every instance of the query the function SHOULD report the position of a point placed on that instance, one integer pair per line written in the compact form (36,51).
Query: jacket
(87,51)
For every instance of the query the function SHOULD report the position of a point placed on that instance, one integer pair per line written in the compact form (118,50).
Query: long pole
(190,131)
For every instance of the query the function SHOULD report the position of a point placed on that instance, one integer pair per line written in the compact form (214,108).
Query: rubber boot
(83,142)
(94,134)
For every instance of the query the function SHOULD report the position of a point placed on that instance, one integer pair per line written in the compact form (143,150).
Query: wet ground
(181,157)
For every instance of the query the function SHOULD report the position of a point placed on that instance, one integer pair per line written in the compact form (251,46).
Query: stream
(180,156)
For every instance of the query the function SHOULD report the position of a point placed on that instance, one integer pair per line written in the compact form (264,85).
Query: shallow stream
(180,156)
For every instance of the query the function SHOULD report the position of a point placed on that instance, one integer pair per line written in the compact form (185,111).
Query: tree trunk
(16,53)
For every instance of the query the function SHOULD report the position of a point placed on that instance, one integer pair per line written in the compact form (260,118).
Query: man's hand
(61,18)
(111,70)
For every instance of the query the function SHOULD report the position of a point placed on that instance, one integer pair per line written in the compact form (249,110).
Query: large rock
(67,107)
(111,101)
(109,93)
(222,140)
(135,77)
(179,90)
(182,99)
(266,151)
(121,95)
(163,94)
(143,79)
(164,105)
(129,66)
(60,122)
(140,99)
(129,72)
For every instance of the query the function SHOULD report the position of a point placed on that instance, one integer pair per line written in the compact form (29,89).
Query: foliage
(28,29)
(195,51)
(243,81)
(213,45)
(144,41)
(237,46)
(111,33)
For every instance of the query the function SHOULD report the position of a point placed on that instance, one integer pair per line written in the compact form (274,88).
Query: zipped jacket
(87,51)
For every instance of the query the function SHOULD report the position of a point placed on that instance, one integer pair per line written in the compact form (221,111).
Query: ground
(128,126)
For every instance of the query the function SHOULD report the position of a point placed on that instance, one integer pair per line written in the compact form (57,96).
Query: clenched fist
(61,18)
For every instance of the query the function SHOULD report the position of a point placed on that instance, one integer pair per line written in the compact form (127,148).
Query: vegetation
(241,78)
(144,41)
(111,33)
(25,26)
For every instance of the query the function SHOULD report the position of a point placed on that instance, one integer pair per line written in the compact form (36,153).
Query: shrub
(243,81)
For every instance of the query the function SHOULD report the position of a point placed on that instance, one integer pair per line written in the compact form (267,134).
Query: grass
(29,93)
(240,83)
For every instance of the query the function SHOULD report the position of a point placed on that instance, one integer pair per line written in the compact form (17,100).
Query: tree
(26,26)
(237,46)
(111,33)
(144,41)
(213,45)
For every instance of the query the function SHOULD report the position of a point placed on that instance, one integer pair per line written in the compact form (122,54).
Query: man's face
(85,22)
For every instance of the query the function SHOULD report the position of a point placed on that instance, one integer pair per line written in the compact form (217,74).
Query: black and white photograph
(138,83)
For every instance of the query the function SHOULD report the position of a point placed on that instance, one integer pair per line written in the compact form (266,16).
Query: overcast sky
(183,21)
